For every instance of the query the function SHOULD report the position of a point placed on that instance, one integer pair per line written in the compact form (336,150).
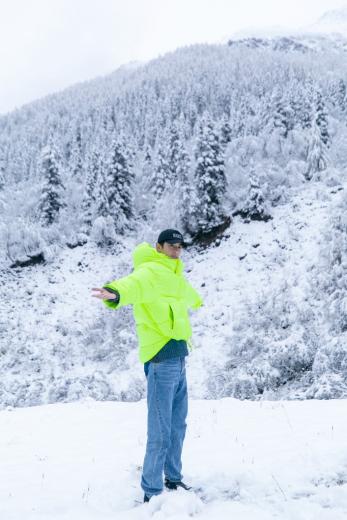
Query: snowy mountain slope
(65,345)
(247,460)
(328,33)
(331,22)
(316,42)
(334,21)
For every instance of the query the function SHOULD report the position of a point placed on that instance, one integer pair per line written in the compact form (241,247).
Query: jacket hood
(145,253)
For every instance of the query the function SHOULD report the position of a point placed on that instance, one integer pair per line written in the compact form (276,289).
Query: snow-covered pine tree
(282,113)
(52,196)
(101,204)
(90,197)
(239,115)
(76,159)
(185,194)
(119,185)
(342,95)
(160,178)
(317,160)
(102,231)
(301,102)
(256,206)
(2,173)
(337,93)
(147,163)
(192,116)
(98,161)
(210,179)
(321,119)
(225,132)
(174,148)
(144,170)
(150,127)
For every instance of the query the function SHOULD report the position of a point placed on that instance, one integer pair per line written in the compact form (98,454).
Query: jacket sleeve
(137,287)
(192,297)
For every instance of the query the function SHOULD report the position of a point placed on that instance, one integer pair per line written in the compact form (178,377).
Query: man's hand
(103,294)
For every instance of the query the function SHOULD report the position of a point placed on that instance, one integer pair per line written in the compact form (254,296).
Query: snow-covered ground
(246,460)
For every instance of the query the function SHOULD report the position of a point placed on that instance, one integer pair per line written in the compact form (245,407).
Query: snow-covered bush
(274,341)
(331,272)
(329,386)
(103,233)
(21,241)
(329,289)
(256,182)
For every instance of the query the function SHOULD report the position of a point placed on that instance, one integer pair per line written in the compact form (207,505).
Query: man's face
(170,250)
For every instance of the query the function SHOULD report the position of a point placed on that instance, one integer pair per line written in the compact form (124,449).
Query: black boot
(146,498)
(174,485)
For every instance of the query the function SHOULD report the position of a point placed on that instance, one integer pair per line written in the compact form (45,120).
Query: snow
(245,459)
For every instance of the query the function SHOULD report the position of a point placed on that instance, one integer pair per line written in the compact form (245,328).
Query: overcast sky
(47,45)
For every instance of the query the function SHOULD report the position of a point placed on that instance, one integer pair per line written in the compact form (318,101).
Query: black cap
(172,236)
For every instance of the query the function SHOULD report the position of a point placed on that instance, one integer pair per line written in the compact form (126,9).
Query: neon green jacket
(161,297)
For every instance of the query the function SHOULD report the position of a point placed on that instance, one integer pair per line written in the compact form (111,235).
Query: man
(161,297)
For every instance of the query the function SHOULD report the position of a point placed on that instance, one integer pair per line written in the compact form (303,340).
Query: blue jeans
(167,403)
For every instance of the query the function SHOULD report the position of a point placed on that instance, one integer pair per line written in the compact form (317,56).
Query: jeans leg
(162,381)
(173,462)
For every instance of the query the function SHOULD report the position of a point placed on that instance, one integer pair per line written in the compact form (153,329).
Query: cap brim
(175,242)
